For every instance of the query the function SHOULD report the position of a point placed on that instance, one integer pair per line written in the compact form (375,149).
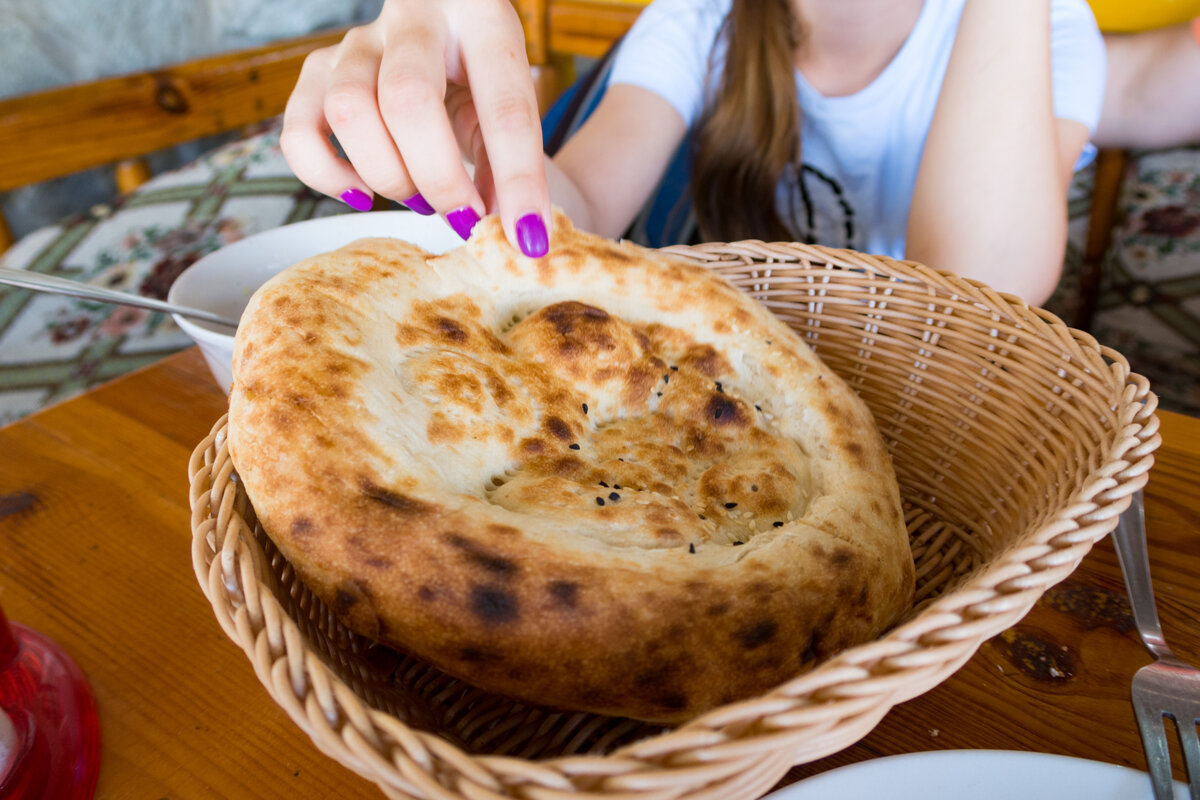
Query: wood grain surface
(95,552)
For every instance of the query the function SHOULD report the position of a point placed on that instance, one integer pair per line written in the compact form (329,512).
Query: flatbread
(603,480)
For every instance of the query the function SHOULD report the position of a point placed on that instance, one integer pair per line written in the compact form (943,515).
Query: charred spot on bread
(724,410)
(757,634)
(565,593)
(343,601)
(400,502)
(499,565)
(494,605)
(451,330)
(558,429)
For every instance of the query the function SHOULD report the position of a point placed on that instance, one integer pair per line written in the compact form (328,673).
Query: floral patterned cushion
(52,348)
(1149,304)
(1150,298)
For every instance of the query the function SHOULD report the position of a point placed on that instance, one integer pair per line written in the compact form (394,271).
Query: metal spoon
(55,285)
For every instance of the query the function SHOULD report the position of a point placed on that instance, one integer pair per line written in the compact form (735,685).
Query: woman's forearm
(566,195)
(609,168)
(989,201)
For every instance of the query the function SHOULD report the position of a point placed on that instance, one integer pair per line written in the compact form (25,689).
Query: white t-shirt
(859,152)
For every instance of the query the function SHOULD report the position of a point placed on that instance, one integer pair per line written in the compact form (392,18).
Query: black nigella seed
(754,487)
(731,505)
(605,485)
(620,459)
(614,496)
(691,548)
(777,524)
(702,516)
(574,446)
(717,414)
(585,408)
(666,378)
(674,368)
(599,501)
(659,394)
(616,486)
(757,407)
(738,543)
(720,388)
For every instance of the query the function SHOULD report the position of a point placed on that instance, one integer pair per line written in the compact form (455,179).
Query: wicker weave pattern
(1017,442)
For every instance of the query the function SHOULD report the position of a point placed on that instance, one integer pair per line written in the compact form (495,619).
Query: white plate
(224,280)
(977,775)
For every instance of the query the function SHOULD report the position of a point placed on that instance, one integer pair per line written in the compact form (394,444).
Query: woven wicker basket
(1017,442)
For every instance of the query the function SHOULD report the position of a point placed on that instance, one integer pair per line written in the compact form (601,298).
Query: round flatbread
(603,480)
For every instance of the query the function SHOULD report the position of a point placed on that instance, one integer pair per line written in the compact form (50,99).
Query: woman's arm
(1153,95)
(990,197)
(608,169)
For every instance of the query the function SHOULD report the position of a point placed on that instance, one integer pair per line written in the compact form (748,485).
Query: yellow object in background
(1128,16)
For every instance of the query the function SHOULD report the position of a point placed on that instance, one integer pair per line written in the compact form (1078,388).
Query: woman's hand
(411,94)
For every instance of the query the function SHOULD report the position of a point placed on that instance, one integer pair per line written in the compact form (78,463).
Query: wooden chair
(1111,165)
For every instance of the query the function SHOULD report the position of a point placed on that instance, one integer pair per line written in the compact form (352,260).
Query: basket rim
(853,689)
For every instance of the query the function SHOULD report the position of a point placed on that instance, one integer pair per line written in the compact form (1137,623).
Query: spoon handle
(56,285)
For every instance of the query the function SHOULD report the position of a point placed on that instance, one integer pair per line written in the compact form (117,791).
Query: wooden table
(95,552)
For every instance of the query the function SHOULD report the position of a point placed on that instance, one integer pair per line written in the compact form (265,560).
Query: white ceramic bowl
(224,280)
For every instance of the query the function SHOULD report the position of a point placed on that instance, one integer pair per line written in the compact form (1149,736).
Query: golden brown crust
(601,480)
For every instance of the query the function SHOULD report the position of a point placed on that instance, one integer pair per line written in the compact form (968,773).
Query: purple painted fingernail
(357,199)
(420,205)
(463,221)
(531,235)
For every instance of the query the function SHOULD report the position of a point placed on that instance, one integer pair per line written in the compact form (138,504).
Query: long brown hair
(750,130)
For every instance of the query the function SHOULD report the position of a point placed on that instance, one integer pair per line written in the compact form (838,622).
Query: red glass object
(49,732)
